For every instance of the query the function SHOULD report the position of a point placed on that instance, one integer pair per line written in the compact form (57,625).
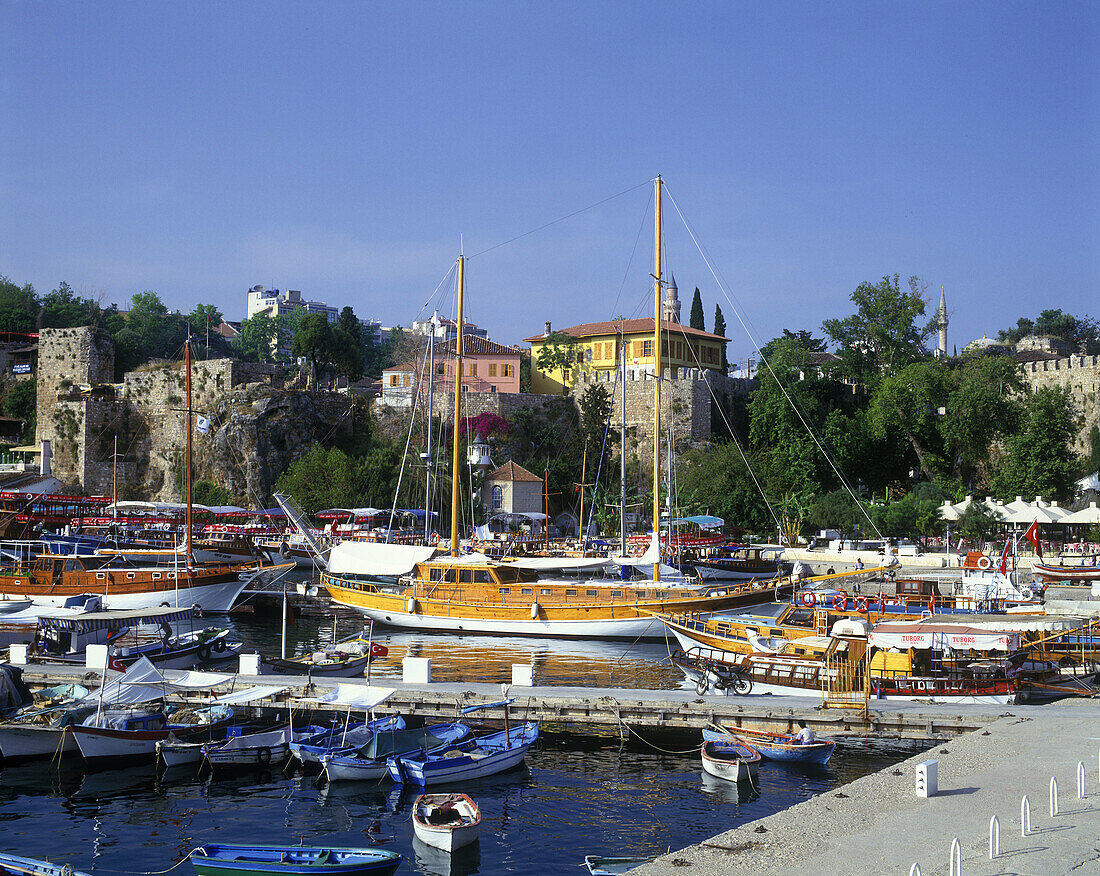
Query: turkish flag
(1032,535)
(1003,567)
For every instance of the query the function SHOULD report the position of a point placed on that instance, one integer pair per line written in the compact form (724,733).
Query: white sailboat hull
(216,598)
(624,628)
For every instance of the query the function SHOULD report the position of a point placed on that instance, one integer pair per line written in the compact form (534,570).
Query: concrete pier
(878,824)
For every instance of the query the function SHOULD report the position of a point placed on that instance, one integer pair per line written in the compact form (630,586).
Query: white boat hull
(730,770)
(211,598)
(26,742)
(101,743)
(174,754)
(448,837)
(342,770)
(625,628)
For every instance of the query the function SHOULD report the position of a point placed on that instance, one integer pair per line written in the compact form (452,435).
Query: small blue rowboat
(226,860)
(777,746)
(19,866)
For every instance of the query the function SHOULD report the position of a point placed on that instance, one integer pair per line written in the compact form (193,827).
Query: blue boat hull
(230,860)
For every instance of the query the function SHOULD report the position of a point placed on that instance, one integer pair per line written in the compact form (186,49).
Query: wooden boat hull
(215,593)
(1058,574)
(106,743)
(251,750)
(34,867)
(460,764)
(32,741)
(339,740)
(770,747)
(232,860)
(729,761)
(603,865)
(459,825)
(562,611)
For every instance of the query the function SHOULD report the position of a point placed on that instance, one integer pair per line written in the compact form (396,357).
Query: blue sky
(345,149)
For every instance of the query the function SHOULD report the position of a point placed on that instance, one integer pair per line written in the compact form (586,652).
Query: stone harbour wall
(1081,374)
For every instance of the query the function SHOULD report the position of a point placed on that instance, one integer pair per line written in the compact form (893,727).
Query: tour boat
(474,758)
(776,746)
(446,821)
(738,563)
(730,760)
(221,859)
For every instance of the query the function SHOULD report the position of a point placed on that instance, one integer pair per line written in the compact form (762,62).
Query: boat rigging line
(756,345)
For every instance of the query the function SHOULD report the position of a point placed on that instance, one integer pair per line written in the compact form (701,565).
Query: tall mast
(657,371)
(622,444)
(458,411)
(187,367)
(428,454)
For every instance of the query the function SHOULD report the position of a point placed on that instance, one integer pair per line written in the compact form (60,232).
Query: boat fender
(219,645)
(410,605)
(861,604)
(534,611)
(263,755)
(809,598)
(204,651)
(985,563)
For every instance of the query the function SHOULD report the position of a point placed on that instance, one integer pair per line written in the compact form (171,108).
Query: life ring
(263,755)
(840,602)
(204,652)
(809,598)
(985,563)
(534,611)
(219,645)
(861,604)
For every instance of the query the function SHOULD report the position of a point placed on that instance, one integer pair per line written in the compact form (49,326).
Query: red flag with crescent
(1032,535)
(1003,567)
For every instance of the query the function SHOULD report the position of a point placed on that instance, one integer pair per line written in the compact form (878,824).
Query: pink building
(486,367)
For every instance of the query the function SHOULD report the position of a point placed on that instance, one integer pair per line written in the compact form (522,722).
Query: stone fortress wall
(1081,374)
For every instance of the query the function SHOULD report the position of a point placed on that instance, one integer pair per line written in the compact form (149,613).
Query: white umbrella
(1090,515)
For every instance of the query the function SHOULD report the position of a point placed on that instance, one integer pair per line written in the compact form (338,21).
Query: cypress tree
(720,330)
(697,320)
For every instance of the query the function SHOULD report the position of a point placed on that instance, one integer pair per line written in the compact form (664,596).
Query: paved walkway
(877,824)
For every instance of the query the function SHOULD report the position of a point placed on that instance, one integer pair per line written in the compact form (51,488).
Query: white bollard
(955,862)
(17,654)
(994,837)
(1080,781)
(95,658)
(416,670)
(928,778)
(523,675)
(1025,816)
(1053,796)
(249,664)
(915,870)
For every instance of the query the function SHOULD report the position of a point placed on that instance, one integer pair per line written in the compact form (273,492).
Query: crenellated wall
(1081,374)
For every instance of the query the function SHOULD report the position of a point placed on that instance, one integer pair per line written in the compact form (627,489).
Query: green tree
(325,479)
(715,479)
(595,404)
(558,351)
(21,402)
(835,510)
(884,334)
(18,307)
(256,340)
(149,331)
(906,403)
(347,336)
(208,493)
(1039,458)
(315,340)
(696,320)
(63,308)
(982,408)
(720,330)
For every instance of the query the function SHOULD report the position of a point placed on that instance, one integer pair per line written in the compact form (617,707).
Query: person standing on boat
(804,736)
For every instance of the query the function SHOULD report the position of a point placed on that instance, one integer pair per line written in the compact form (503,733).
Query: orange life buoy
(809,598)
(861,604)
(985,563)
(840,602)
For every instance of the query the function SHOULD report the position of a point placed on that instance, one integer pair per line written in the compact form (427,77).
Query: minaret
(941,348)
(670,311)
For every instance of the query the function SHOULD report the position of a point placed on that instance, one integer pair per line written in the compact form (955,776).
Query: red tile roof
(630,327)
(473,345)
(512,472)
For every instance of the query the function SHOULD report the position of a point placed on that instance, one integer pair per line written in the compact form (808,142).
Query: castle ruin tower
(670,310)
(941,315)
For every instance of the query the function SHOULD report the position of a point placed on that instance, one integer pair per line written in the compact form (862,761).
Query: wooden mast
(458,410)
(187,368)
(657,371)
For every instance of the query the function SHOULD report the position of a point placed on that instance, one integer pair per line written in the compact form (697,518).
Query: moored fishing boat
(369,761)
(474,758)
(729,760)
(16,865)
(776,746)
(220,859)
(446,821)
(342,738)
(347,658)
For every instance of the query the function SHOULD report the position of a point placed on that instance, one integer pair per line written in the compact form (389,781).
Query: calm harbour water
(577,795)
